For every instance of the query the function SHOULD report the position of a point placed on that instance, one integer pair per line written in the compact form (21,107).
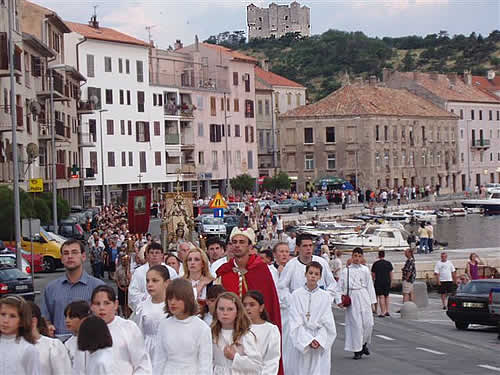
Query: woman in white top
(268,335)
(197,271)
(150,312)
(94,337)
(184,340)
(234,344)
(129,351)
(54,358)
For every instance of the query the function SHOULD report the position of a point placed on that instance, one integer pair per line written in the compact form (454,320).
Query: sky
(183,19)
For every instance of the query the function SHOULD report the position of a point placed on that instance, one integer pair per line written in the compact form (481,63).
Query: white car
(10,260)
(491,187)
(212,226)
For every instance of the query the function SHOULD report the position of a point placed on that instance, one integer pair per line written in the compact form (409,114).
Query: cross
(308,315)
(140,177)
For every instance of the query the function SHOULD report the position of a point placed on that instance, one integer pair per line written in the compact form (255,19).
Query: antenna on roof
(150,34)
(93,20)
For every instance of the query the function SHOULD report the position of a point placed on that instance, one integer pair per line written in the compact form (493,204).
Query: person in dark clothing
(382,276)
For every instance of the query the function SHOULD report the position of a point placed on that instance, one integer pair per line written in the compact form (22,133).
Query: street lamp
(103,195)
(468,157)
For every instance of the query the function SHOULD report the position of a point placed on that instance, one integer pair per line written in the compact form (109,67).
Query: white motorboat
(387,237)
(491,204)
(422,215)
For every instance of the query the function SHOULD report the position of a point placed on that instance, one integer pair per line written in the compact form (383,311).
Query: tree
(281,181)
(243,183)
(408,62)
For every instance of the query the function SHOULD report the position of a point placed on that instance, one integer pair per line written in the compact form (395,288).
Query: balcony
(61,171)
(4,57)
(5,122)
(173,168)
(85,108)
(481,144)
(172,139)
(188,168)
(89,174)
(59,92)
(170,109)
(189,79)
(86,140)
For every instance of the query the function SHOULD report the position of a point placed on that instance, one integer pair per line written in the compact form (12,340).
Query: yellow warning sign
(36,185)
(218,202)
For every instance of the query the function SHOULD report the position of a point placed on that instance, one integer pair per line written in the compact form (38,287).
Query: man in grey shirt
(75,285)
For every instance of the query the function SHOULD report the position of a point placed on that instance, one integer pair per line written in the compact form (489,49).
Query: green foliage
(281,181)
(243,183)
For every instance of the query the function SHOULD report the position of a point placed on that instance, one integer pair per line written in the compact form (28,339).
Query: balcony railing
(172,139)
(173,168)
(188,168)
(61,171)
(188,79)
(171,109)
(87,139)
(85,107)
(481,143)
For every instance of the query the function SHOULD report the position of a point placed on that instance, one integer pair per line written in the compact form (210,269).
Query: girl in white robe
(129,351)
(94,337)
(358,316)
(268,334)
(235,350)
(20,356)
(150,312)
(207,312)
(184,340)
(312,327)
(75,313)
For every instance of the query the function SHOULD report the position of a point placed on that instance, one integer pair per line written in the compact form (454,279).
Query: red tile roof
(104,33)
(359,100)
(259,85)
(274,79)
(234,54)
(488,86)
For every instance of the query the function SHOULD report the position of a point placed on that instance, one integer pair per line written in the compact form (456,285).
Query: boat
(375,237)
(422,216)
(490,205)
(397,216)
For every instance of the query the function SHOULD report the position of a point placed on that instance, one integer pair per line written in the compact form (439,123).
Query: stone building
(278,20)
(478,131)
(373,136)
(274,94)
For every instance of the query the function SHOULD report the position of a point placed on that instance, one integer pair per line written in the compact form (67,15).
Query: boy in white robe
(359,315)
(312,327)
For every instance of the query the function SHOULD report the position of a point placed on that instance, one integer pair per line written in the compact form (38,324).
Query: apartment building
(373,136)
(274,95)
(489,84)
(209,94)
(478,131)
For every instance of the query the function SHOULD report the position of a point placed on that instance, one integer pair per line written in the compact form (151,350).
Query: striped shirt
(60,292)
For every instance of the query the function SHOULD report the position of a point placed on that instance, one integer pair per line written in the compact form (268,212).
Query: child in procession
(94,338)
(150,312)
(234,344)
(207,312)
(184,340)
(16,338)
(54,358)
(129,351)
(75,313)
(312,326)
(268,334)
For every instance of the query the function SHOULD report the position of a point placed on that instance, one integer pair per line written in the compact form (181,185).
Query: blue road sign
(218,212)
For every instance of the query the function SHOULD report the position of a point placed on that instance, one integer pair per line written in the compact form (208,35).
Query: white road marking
(490,367)
(431,351)
(432,320)
(342,324)
(385,337)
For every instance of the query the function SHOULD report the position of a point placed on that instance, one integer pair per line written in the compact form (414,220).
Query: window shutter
(146,132)
(36,66)
(137,125)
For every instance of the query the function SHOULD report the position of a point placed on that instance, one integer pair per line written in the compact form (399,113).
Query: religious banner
(139,202)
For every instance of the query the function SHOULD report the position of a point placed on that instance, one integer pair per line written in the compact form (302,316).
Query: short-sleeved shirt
(382,269)
(444,270)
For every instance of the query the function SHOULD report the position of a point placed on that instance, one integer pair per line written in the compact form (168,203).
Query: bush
(243,183)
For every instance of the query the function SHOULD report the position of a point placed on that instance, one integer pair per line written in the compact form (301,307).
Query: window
(215,163)
(247,82)
(266,107)
(222,104)
(199,102)
(154,100)
(249,109)
(156,128)
(109,96)
(122,127)
(330,135)
(237,131)
(235,78)
(472,114)
(386,133)
(142,161)
(298,100)
(309,161)
(490,115)
(129,125)
(124,159)
(157,158)
(289,98)
(331,161)
(215,133)
(228,130)
(250,159)
(140,101)
(142,131)
(377,133)
(201,158)
(128,97)
(95,91)
(213,106)
(461,133)
(461,114)
(261,139)
(90,66)
(308,135)
(122,98)
(127,66)
(498,115)
(111,159)
(107,64)
(252,139)
(120,65)
(395,159)
(200,129)
(130,158)
(480,115)
(260,107)
(140,71)
(236,105)
(110,127)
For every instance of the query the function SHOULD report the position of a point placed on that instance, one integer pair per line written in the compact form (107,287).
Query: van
(48,246)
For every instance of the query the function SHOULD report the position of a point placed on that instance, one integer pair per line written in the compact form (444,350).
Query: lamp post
(103,194)
(468,157)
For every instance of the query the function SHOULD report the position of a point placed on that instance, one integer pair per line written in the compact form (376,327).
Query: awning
(330,180)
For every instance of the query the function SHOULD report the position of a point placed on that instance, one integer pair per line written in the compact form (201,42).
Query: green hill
(321,61)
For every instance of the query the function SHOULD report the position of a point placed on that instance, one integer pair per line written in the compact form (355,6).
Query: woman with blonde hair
(197,271)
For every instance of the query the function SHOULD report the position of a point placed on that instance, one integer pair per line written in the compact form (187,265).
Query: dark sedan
(15,282)
(470,305)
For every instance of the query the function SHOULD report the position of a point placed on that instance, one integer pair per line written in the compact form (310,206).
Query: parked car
(15,282)
(9,259)
(37,258)
(267,202)
(494,305)
(205,210)
(69,229)
(232,221)
(290,205)
(235,206)
(470,305)
(492,186)
(211,226)
(317,203)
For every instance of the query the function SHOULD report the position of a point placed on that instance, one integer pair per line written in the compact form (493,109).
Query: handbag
(346,299)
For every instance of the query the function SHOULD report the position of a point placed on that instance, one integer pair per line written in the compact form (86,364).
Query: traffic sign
(35,185)
(218,212)
(218,202)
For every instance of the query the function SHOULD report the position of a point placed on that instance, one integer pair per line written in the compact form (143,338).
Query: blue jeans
(424,245)
(98,270)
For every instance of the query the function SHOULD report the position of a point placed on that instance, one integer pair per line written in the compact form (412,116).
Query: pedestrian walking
(76,312)
(197,272)
(95,338)
(382,276)
(430,234)
(122,279)
(423,237)
(336,265)
(445,276)
(409,274)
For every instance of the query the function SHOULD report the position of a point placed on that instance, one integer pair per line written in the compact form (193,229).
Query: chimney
(452,77)
(265,64)
(178,45)
(372,80)
(93,22)
(491,75)
(468,77)
(196,43)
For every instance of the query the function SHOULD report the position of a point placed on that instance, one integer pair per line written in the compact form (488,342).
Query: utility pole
(103,193)
(54,154)
(13,115)
(227,155)
(274,113)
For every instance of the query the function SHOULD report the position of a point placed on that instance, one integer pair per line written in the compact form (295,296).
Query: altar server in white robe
(129,351)
(359,315)
(94,338)
(137,290)
(75,313)
(54,358)
(184,340)
(312,327)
